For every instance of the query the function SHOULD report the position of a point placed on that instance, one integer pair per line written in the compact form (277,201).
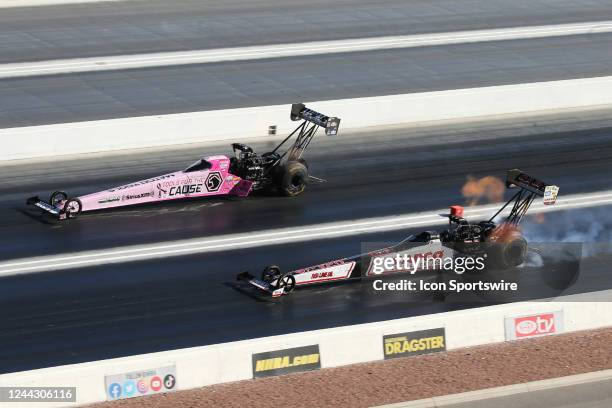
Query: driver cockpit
(200,165)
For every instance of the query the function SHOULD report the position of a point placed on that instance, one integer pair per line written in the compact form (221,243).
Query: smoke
(533,259)
(590,227)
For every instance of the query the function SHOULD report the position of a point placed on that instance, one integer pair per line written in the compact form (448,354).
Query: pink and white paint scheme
(209,176)
(282,170)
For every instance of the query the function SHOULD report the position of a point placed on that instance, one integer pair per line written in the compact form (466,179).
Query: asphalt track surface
(376,173)
(109,311)
(224,85)
(118,310)
(129,27)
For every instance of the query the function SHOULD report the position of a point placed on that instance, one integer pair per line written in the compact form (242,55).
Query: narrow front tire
(73,207)
(57,197)
(286,282)
(270,273)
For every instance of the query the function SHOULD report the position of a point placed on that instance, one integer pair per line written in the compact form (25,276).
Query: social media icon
(114,390)
(129,388)
(142,387)
(156,383)
(169,381)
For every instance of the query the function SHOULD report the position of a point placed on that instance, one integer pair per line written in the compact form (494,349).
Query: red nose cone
(456,210)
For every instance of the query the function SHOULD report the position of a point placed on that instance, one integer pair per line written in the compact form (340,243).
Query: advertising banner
(139,383)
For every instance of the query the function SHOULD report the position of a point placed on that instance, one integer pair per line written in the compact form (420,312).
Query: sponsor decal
(185,189)
(414,343)
(286,361)
(109,200)
(321,275)
(140,183)
(325,272)
(137,196)
(322,266)
(530,181)
(160,191)
(550,195)
(213,181)
(147,382)
(537,325)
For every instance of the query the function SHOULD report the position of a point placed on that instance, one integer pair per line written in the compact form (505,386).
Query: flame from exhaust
(505,233)
(489,188)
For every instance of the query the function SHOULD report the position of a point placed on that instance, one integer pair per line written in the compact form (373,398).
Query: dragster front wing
(46,207)
(260,284)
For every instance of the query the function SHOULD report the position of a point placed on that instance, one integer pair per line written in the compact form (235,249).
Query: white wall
(244,123)
(201,366)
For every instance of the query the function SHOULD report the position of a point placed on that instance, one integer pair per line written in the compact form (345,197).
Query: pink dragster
(285,172)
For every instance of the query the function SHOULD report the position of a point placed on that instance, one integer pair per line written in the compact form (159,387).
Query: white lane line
(37,3)
(105,63)
(276,237)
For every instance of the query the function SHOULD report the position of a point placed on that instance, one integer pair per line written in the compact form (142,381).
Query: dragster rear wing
(300,112)
(530,187)
(517,178)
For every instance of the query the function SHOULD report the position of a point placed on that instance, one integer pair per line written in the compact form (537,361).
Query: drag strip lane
(378,174)
(283,236)
(107,311)
(132,27)
(87,96)
(110,63)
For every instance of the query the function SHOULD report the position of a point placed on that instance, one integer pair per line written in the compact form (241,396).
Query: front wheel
(57,198)
(73,207)
(293,178)
(286,282)
(270,273)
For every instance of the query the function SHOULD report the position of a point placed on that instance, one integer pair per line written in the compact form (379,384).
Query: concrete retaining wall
(201,366)
(245,123)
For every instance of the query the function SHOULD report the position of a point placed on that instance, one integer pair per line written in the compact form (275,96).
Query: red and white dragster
(285,172)
(501,244)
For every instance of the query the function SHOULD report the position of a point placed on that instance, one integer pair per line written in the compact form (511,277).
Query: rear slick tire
(508,254)
(293,179)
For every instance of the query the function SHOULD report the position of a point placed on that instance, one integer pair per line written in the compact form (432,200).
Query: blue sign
(114,390)
(129,388)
